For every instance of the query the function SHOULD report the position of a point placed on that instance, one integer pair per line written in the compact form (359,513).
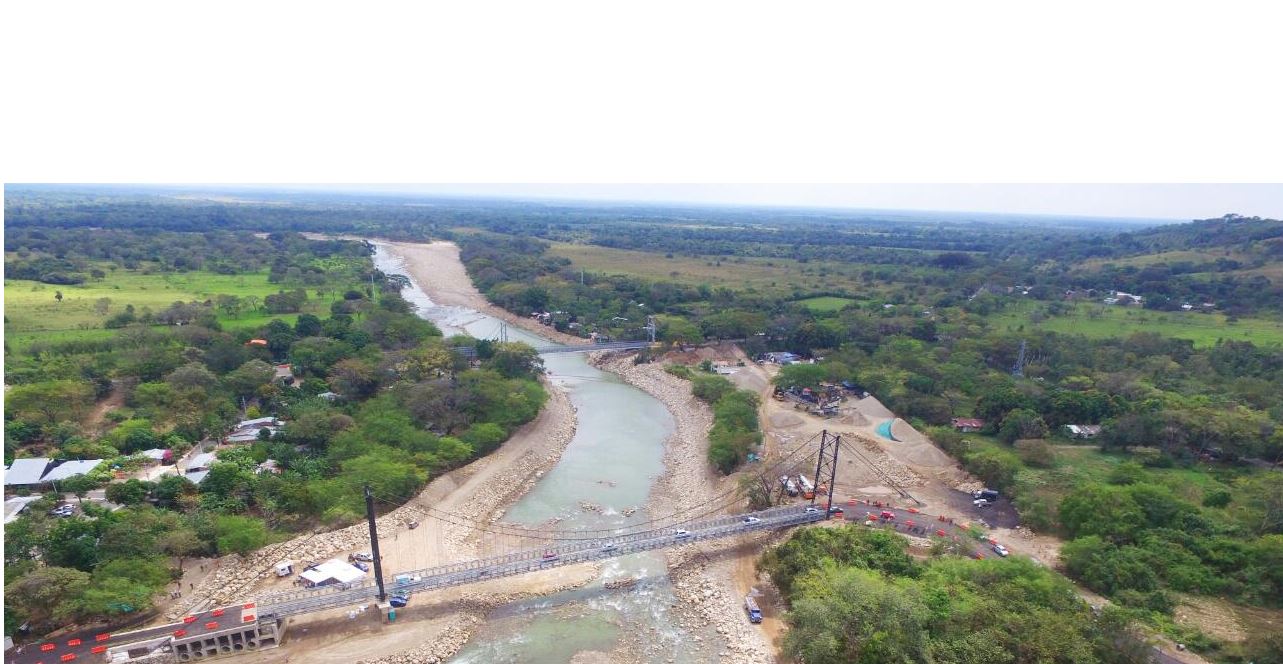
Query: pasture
(1099,321)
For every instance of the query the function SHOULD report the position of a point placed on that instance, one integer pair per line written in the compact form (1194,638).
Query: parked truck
(789,485)
(808,489)
(754,613)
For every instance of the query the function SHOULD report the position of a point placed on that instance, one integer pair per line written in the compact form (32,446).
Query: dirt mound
(784,420)
(853,418)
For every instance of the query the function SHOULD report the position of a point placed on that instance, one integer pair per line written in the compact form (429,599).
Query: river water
(602,480)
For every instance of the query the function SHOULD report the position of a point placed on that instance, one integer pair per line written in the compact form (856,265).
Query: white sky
(1152,201)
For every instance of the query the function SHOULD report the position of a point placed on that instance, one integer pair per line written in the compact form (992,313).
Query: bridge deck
(555,555)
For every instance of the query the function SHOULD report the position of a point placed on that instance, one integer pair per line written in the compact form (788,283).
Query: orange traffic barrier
(180,633)
(189,619)
(217,613)
(67,657)
(247,605)
(213,624)
(913,510)
(102,637)
(940,533)
(47,647)
(73,643)
(249,617)
(98,649)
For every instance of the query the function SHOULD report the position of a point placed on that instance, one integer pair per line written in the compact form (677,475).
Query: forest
(940,318)
(372,395)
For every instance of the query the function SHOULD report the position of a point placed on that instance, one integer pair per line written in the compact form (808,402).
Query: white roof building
(196,476)
(14,506)
(201,461)
(25,472)
(332,571)
(70,469)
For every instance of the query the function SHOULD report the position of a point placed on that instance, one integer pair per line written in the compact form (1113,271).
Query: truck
(788,484)
(808,489)
(754,613)
(407,579)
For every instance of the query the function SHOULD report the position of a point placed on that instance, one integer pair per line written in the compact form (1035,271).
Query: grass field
(826,303)
(771,276)
(32,313)
(1103,321)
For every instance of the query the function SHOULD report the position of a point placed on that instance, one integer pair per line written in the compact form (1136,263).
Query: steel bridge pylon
(826,467)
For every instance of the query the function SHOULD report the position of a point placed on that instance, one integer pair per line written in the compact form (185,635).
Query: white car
(811,509)
(682,533)
(981,503)
(1001,550)
(363,557)
(751,519)
(608,547)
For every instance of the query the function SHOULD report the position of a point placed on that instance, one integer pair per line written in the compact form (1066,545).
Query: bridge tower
(503,331)
(826,466)
(650,327)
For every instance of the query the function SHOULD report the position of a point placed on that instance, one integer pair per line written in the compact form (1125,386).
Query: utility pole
(374,543)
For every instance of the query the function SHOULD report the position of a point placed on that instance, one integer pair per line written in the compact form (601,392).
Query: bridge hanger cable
(501,529)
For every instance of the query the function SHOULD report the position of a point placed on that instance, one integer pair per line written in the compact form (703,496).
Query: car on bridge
(682,533)
(549,556)
(751,519)
(610,547)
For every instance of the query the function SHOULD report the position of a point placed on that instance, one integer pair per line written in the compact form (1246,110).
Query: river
(610,465)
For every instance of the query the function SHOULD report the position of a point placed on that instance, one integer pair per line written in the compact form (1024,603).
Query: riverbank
(477,491)
(706,578)
(438,270)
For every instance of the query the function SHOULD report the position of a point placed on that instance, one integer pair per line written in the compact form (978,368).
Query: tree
(46,593)
(353,378)
(180,544)
(239,534)
(53,400)
(246,380)
(515,360)
(80,485)
(229,304)
(1021,423)
(113,596)
(129,492)
(192,376)
(57,295)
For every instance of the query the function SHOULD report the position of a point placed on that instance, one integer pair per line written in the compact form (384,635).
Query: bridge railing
(483,569)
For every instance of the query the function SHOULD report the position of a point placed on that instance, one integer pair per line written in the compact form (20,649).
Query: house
(331,572)
(25,473)
(246,431)
(1082,431)
(156,456)
(329,396)
(13,507)
(70,469)
(269,466)
(201,461)
(967,424)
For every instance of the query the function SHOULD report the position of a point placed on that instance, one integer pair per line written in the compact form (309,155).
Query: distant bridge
(471,351)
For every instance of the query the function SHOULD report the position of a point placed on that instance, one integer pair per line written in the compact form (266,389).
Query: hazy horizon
(1149,202)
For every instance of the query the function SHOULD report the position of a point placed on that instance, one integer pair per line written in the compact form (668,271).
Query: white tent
(330,572)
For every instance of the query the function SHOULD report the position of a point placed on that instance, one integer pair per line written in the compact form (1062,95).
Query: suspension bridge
(259,622)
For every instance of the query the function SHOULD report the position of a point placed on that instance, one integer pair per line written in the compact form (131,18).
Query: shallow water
(609,465)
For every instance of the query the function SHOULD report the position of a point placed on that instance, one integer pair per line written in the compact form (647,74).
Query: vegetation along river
(602,481)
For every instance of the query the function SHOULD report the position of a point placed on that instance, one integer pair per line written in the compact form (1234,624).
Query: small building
(25,473)
(247,431)
(330,573)
(1082,431)
(782,358)
(196,476)
(285,568)
(13,507)
(329,396)
(156,456)
(70,469)
(269,466)
(201,461)
(967,424)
